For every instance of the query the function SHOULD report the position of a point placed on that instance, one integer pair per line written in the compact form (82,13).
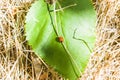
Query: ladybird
(60,39)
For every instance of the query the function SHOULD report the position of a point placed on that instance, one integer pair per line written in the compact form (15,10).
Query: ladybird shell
(60,39)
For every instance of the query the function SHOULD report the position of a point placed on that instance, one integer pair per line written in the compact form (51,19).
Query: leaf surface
(77,21)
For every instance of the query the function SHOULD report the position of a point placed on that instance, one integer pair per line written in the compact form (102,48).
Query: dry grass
(104,63)
(17,61)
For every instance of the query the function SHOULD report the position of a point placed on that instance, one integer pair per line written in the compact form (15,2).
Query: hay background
(18,62)
(104,63)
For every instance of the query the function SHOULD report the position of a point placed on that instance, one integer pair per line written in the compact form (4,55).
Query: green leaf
(70,57)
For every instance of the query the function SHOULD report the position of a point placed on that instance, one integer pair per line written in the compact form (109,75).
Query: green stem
(52,20)
(82,41)
(64,46)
